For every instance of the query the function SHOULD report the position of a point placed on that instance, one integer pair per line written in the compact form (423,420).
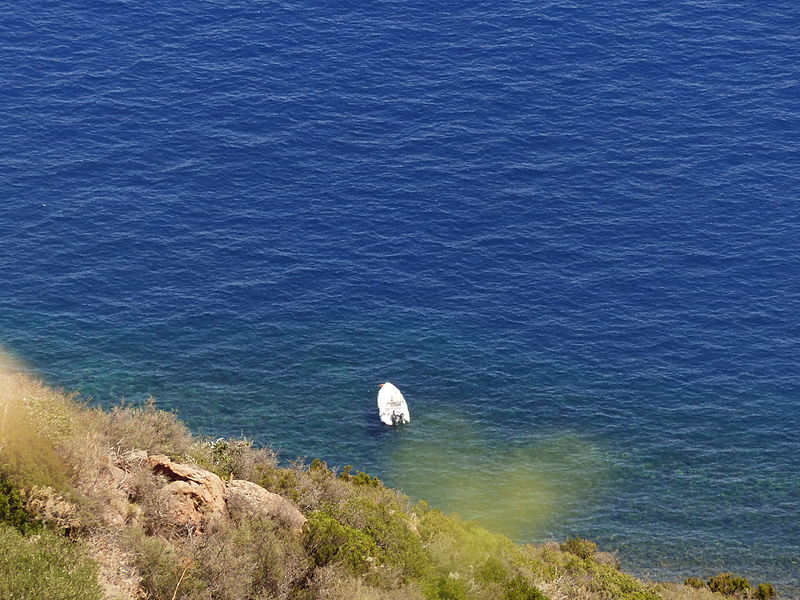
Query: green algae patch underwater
(517,490)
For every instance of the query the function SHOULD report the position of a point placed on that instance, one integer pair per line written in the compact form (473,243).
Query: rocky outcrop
(246,499)
(195,497)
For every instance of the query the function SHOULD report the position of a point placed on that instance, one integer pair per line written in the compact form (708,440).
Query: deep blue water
(569,232)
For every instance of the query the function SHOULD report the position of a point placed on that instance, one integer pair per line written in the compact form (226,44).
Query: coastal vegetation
(127,503)
(729,584)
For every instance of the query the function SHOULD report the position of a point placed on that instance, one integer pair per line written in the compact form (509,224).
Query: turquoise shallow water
(568,233)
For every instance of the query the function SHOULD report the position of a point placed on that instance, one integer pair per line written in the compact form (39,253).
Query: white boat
(392,407)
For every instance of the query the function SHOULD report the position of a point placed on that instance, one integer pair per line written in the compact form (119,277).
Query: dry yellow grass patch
(33,419)
(676,591)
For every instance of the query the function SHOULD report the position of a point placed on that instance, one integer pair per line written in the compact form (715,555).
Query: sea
(568,231)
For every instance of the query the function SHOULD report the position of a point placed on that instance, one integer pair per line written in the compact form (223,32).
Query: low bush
(316,485)
(162,566)
(456,545)
(233,459)
(12,509)
(360,478)
(44,565)
(728,584)
(447,587)
(328,541)
(765,591)
(145,427)
(580,547)
(329,583)
(611,583)
(230,561)
(246,560)
(281,481)
(50,508)
(491,571)
(388,527)
(608,558)
(519,588)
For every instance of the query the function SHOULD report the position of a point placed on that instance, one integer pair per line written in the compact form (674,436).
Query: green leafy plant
(519,588)
(728,584)
(360,478)
(615,584)
(12,509)
(44,565)
(491,571)
(580,547)
(448,588)
(765,591)
(327,541)
(280,481)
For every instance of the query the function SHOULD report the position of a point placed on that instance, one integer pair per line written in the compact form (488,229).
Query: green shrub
(728,584)
(158,564)
(454,544)
(616,584)
(327,541)
(694,582)
(491,571)
(580,547)
(44,565)
(280,481)
(12,509)
(167,568)
(346,473)
(765,591)
(448,588)
(360,478)
(519,588)
(389,528)
(320,466)
(226,453)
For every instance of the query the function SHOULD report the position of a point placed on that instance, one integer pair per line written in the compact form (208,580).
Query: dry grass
(233,459)
(49,507)
(33,420)
(231,561)
(118,573)
(330,584)
(128,428)
(675,591)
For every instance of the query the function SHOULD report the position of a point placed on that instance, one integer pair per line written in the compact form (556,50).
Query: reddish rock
(195,496)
